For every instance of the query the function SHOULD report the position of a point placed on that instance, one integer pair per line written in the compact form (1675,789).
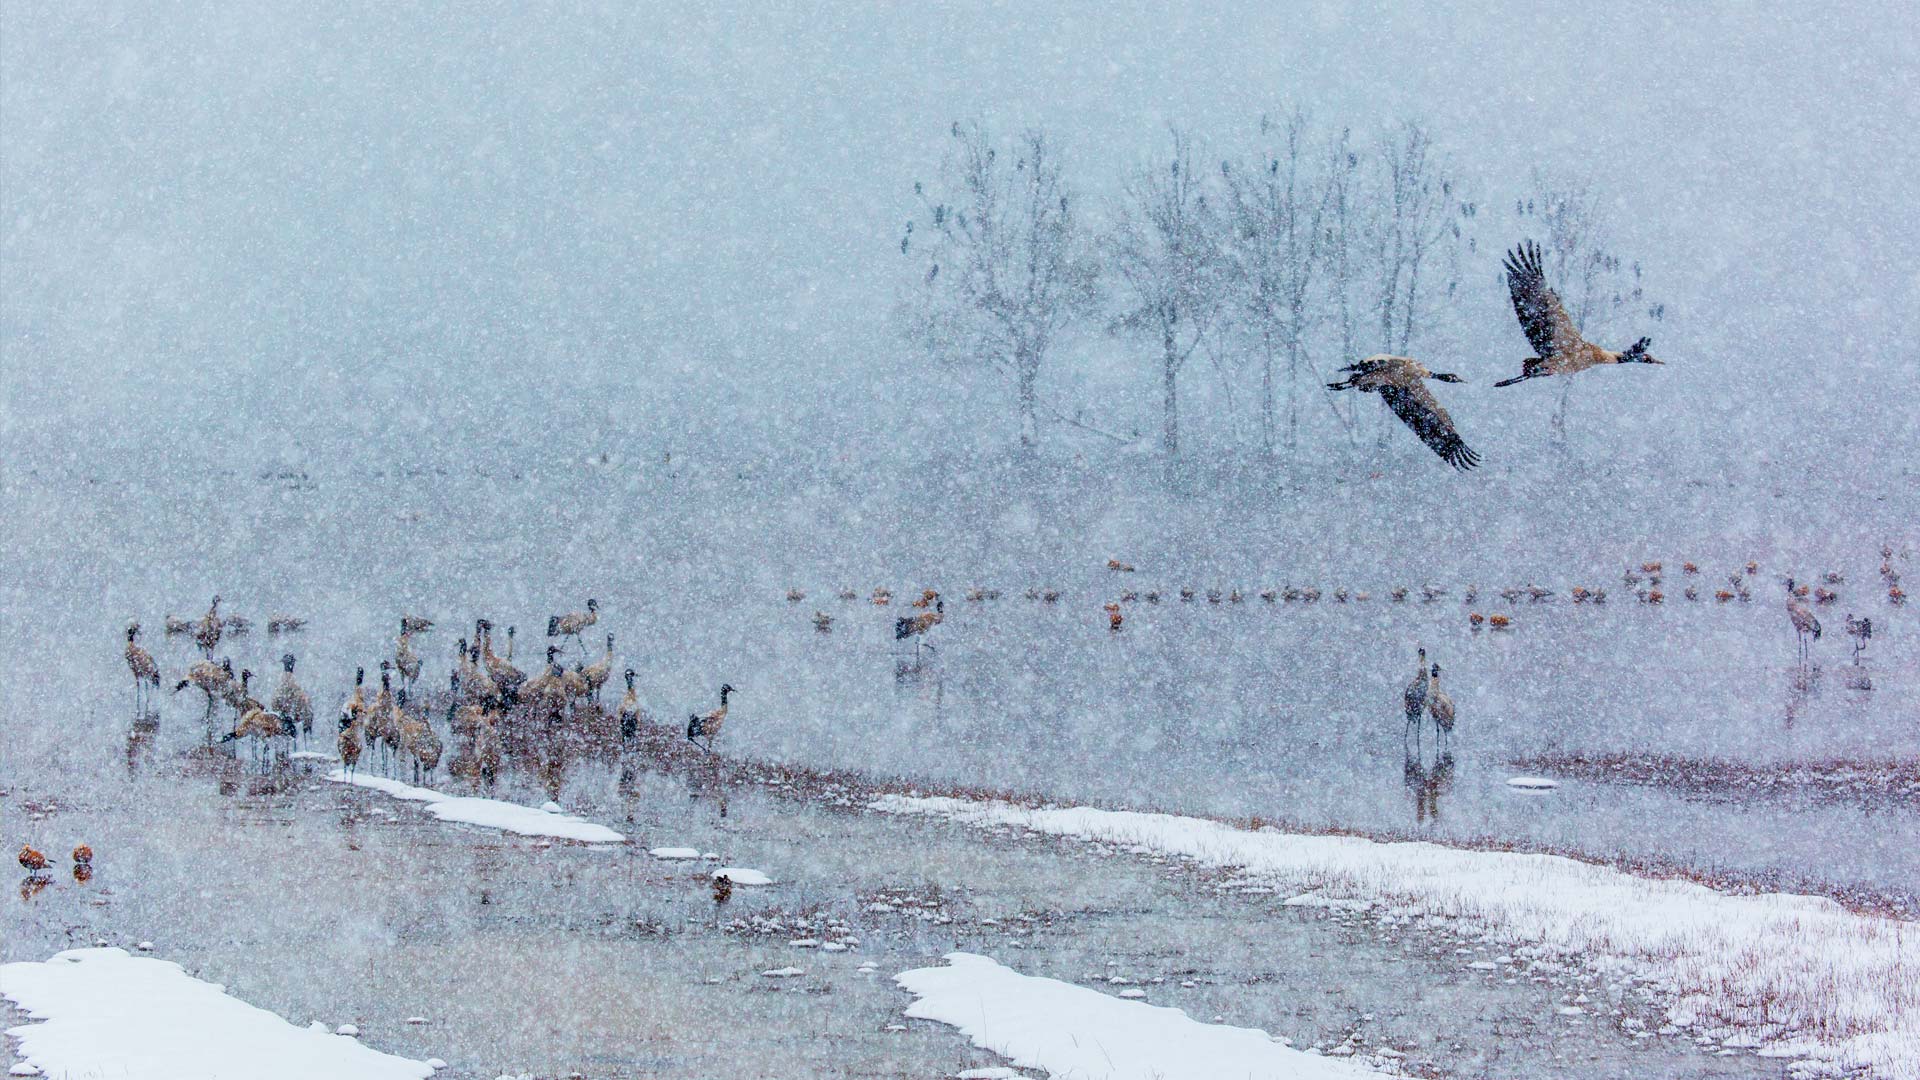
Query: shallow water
(341,905)
(1285,711)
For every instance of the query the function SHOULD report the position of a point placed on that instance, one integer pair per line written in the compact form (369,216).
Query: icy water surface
(1287,711)
(519,956)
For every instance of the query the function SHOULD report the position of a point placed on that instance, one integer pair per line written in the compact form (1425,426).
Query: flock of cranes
(493,712)
(1562,350)
(1647,582)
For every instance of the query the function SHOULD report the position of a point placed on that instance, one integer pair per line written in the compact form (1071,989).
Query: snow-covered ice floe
(1800,974)
(742,875)
(492,813)
(1069,1030)
(1532,783)
(104,1012)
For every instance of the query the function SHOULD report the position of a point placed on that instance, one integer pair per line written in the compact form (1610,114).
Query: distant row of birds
(1646,582)
(1562,350)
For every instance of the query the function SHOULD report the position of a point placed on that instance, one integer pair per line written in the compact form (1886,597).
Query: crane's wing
(1416,407)
(1542,317)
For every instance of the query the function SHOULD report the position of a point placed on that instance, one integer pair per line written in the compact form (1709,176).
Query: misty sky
(303,217)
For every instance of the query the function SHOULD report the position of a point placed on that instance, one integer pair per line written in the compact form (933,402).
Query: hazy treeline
(1273,263)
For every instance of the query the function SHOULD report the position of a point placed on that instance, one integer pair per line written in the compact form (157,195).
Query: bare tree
(1005,266)
(1165,244)
(1411,217)
(1340,239)
(1274,245)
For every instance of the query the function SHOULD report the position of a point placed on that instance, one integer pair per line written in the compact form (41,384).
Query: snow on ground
(1072,1031)
(492,813)
(104,1012)
(1801,975)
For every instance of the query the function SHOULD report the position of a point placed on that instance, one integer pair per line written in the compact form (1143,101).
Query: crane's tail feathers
(1515,379)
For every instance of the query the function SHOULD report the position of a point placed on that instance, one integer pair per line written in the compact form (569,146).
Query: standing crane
(1415,697)
(1440,707)
(206,632)
(291,701)
(572,624)
(707,725)
(1806,628)
(1861,631)
(916,626)
(146,673)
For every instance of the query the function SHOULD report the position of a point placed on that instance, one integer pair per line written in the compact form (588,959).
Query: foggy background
(305,236)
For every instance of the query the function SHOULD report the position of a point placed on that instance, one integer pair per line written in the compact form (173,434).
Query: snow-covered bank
(491,813)
(1799,975)
(1072,1031)
(103,1012)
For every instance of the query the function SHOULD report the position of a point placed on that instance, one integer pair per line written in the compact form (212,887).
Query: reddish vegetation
(1888,782)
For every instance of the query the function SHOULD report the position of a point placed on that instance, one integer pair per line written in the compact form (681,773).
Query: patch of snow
(551,807)
(1070,1030)
(741,875)
(784,973)
(1828,970)
(312,755)
(674,852)
(491,813)
(351,1031)
(145,946)
(106,1012)
(991,1072)
(834,946)
(1532,783)
(1133,993)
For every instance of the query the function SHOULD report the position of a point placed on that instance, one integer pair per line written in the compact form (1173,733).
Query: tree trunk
(1559,424)
(1028,375)
(1293,392)
(1267,423)
(1170,371)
